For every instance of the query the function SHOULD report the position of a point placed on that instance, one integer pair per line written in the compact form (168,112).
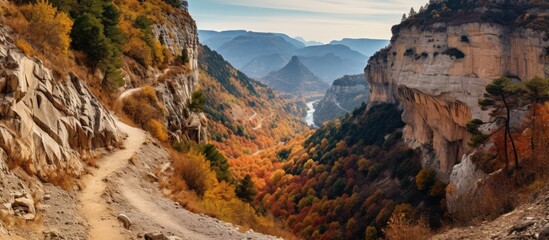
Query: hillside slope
(245,115)
(348,176)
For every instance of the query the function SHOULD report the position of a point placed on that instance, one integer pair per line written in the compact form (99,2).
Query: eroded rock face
(178,34)
(47,125)
(343,97)
(438,74)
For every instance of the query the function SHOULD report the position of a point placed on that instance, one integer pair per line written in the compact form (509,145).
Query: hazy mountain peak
(295,77)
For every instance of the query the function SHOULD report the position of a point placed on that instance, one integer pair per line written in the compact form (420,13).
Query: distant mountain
(308,43)
(293,41)
(338,50)
(330,66)
(214,39)
(328,62)
(244,48)
(363,45)
(295,77)
(262,65)
(257,54)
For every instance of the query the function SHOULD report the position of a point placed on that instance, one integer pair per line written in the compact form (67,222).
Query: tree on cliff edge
(538,93)
(502,97)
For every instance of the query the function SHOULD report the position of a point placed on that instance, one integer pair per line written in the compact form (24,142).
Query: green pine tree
(246,189)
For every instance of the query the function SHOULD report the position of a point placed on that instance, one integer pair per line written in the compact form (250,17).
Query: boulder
(53,235)
(521,226)
(544,234)
(155,236)
(125,220)
(24,208)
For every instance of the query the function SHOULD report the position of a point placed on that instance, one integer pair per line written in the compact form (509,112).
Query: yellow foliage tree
(194,169)
(157,129)
(49,27)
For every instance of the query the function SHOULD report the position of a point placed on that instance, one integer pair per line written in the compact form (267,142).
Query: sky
(319,20)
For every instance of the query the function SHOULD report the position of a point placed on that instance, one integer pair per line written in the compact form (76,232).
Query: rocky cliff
(440,60)
(47,126)
(343,97)
(179,34)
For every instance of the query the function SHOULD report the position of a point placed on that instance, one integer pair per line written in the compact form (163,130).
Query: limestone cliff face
(179,33)
(343,97)
(48,124)
(438,73)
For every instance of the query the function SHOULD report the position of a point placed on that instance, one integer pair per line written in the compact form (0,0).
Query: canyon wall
(343,97)
(179,34)
(438,73)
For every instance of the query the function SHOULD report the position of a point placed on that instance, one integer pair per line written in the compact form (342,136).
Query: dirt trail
(260,125)
(103,225)
(142,202)
(127,93)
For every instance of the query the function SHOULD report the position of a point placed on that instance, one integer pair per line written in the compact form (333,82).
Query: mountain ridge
(295,77)
(256,57)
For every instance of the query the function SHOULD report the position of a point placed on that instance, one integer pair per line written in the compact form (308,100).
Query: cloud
(331,6)
(322,20)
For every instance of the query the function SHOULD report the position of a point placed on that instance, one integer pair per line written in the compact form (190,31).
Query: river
(310,110)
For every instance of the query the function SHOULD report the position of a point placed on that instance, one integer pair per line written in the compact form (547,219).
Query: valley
(129,119)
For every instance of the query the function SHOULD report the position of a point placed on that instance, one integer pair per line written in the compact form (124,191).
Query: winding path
(142,202)
(103,225)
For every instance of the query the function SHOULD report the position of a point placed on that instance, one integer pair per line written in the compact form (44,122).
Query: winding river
(310,110)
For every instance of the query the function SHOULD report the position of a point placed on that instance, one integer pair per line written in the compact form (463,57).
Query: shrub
(50,28)
(138,50)
(24,46)
(371,233)
(152,49)
(195,171)
(174,3)
(157,129)
(425,178)
(197,101)
(401,228)
(144,106)
(184,56)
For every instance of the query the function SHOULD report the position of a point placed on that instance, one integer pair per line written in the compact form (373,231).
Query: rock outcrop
(438,70)
(343,97)
(179,34)
(47,125)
